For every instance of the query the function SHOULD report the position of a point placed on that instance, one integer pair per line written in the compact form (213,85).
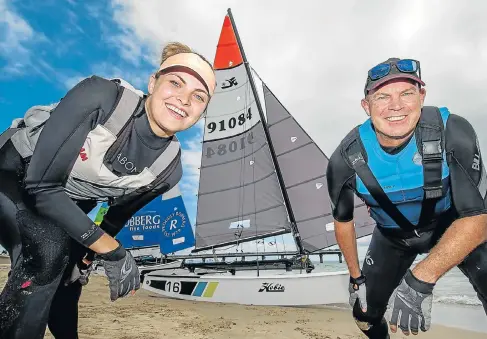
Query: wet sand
(146,316)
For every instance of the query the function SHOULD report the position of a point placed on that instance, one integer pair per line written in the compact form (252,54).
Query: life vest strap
(6,135)
(163,161)
(429,136)
(125,108)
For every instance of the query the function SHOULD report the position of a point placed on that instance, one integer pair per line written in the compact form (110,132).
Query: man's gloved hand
(358,291)
(410,305)
(122,272)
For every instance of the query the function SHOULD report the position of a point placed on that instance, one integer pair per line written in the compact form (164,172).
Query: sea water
(455,302)
(452,288)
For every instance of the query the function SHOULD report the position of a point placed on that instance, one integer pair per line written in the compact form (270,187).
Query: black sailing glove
(357,290)
(122,272)
(411,304)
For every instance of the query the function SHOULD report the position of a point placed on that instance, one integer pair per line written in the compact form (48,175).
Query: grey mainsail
(303,167)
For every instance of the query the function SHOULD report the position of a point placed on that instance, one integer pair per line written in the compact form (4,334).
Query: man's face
(394,109)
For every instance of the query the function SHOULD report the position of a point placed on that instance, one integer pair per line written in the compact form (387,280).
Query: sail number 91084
(232,122)
(233,146)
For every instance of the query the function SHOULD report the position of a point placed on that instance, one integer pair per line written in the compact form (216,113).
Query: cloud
(95,10)
(315,56)
(108,70)
(16,41)
(72,26)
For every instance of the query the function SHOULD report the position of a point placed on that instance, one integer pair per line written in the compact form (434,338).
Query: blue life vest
(401,178)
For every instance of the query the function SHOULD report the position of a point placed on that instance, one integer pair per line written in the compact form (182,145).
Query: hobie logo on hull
(270,287)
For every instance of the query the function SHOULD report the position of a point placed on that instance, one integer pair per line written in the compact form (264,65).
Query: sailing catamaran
(261,175)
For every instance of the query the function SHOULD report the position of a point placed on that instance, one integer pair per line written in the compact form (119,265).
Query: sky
(313,55)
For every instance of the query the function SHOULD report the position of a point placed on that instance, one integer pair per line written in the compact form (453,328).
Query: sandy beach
(146,316)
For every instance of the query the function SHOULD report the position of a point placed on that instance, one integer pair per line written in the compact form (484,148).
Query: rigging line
(241,200)
(241,192)
(254,189)
(200,174)
(241,203)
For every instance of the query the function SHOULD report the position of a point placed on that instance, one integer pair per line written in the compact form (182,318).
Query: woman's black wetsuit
(43,229)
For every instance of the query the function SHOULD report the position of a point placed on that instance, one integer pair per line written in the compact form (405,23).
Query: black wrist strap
(359,281)
(114,255)
(418,285)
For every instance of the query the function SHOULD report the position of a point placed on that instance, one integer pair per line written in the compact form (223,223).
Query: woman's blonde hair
(174,48)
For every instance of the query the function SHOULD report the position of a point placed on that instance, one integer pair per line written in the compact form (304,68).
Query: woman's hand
(122,272)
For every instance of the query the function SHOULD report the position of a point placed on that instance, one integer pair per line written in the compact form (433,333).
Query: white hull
(288,289)
(168,266)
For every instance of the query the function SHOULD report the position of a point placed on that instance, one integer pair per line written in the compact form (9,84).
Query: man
(420,172)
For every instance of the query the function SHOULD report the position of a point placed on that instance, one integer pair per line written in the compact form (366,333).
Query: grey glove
(358,291)
(411,304)
(122,272)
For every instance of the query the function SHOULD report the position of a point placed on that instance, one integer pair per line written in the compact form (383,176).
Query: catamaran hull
(279,290)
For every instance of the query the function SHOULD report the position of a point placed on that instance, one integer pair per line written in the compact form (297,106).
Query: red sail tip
(227,52)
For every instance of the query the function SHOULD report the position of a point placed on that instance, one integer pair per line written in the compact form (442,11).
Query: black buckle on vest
(432,150)
(433,192)
(432,162)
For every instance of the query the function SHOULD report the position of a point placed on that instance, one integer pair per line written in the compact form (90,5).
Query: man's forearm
(461,238)
(346,239)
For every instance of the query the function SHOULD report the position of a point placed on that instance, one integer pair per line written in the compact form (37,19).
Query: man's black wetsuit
(42,227)
(393,250)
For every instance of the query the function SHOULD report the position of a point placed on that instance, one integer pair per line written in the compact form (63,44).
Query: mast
(297,237)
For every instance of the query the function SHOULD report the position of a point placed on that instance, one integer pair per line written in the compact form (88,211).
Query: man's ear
(422,95)
(365,106)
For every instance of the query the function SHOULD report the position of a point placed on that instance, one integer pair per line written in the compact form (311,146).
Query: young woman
(102,142)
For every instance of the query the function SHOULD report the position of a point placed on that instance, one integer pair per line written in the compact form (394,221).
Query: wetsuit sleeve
(119,213)
(340,178)
(56,151)
(467,171)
